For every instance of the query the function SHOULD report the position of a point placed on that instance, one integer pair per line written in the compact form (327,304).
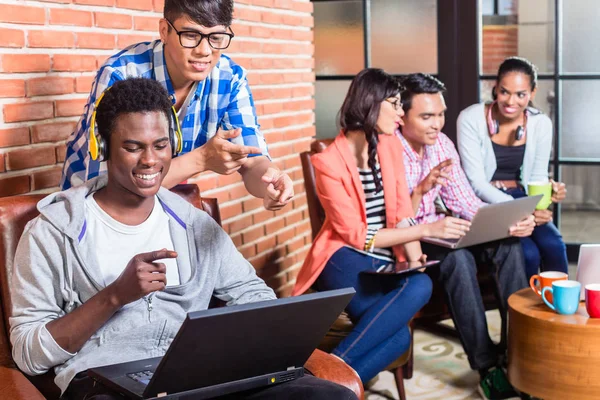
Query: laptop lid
(227,344)
(588,266)
(492,222)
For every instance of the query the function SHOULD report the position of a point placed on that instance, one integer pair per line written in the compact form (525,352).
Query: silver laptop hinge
(290,368)
(163,394)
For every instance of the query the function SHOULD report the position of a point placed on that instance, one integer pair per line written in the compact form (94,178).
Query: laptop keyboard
(141,377)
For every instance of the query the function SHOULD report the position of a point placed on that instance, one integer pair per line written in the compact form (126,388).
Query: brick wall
(49,52)
(498,43)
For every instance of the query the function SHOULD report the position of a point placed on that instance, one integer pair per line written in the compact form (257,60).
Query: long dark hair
(360,109)
(516,64)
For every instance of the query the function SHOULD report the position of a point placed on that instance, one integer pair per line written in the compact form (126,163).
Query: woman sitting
(361,184)
(504,146)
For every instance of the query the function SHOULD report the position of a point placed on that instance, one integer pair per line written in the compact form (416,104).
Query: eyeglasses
(397,104)
(192,39)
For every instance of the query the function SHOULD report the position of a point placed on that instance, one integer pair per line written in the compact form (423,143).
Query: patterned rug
(441,369)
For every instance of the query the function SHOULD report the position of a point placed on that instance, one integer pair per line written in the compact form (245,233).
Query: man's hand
(223,157)
(280,189)
(449,228)
(523,228)
(542,217)
(437,176)
(141,276)
(559,191)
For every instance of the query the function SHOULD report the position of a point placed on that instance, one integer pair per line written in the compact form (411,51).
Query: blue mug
(565,296)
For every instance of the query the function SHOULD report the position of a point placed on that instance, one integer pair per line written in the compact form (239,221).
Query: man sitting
(108,271)
(433,169)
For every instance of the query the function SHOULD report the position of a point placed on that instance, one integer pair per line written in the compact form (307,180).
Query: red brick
(302,6)
(23,14)
(266,244)
(108,3)
(83,84)
(274,226)
(29,158)
(113,20)
(12,88)
(2,163)
(50,39)
(272,18)
(262,3)
(62,16)
(25,63)
(49,85)
(248,251)
(69,108)
(28,111)
(54,132)
(252,204)
(285,235)
(159,5)
(240,224)
(146,23)
(12,38)
(249,14)
(252,234)
(87,40)
(14,137)
(126,40)
(14,185)
(46,178)
(73,63)
(60,153)
(145,5)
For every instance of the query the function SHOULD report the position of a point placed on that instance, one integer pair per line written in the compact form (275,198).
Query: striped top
(375,206)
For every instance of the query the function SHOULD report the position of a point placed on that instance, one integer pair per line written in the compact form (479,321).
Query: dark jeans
(458,276)
(83,387)
(545,248)
(381,310)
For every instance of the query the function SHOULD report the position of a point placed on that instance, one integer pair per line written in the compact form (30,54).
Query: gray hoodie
(56,270)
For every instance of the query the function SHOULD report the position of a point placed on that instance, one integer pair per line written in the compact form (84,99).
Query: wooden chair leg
(408,367)
(399,375)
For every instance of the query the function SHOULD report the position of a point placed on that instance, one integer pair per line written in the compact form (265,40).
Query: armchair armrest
(14,385)
(328,367)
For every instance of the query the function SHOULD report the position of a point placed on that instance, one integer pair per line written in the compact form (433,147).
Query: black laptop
(230,349)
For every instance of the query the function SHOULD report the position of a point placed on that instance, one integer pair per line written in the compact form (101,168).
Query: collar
(161,73)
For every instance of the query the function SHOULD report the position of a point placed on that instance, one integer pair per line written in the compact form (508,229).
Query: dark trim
(557,109)
(458,56)
(541,77)
(367,32)
(573,252)
(334,77)
(579,161)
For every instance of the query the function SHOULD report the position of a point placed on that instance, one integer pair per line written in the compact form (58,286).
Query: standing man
(433,169)
(210,95)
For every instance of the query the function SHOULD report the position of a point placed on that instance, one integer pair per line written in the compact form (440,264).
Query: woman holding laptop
(505,148)
(361,185)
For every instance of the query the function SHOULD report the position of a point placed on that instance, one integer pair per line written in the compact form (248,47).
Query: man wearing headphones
(216,122)
(120,261)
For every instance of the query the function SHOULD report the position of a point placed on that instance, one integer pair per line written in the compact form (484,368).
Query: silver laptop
(588,266)
(492,222)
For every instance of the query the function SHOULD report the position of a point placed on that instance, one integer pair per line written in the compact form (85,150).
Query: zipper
(148,300)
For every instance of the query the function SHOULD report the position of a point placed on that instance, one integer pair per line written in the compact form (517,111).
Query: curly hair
(360,109)
(207,13)
(133,95)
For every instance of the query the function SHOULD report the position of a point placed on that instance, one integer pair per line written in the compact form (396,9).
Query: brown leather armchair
(15,212)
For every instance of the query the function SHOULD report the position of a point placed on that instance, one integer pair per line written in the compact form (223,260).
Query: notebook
(492,222)
(229,349)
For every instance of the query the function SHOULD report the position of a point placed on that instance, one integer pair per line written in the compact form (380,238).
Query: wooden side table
(552,356)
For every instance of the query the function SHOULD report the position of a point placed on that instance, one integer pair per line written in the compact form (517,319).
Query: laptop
(588,266)
(491,222)
(230,349)
(401,268)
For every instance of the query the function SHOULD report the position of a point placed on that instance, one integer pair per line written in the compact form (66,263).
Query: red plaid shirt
(458,195)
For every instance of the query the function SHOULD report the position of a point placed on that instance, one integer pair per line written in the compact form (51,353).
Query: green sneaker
(495,386)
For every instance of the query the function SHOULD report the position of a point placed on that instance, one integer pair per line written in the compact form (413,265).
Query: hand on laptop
(437,176)
(449,228)
(141,276)
(542,217)
(523,228)
(559,191)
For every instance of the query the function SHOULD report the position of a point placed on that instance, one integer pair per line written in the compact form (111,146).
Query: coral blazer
(343,198)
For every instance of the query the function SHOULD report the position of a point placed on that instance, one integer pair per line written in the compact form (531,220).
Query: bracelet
(370,243)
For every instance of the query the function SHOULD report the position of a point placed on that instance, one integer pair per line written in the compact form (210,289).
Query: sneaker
(495,386)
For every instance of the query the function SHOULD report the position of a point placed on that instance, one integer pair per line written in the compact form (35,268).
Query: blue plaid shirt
(223,99)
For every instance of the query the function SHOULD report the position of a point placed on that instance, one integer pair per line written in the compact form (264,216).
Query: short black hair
(207,13)
(132,95)
(419,83)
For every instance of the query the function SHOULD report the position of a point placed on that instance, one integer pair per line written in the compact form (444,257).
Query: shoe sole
(484,397)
